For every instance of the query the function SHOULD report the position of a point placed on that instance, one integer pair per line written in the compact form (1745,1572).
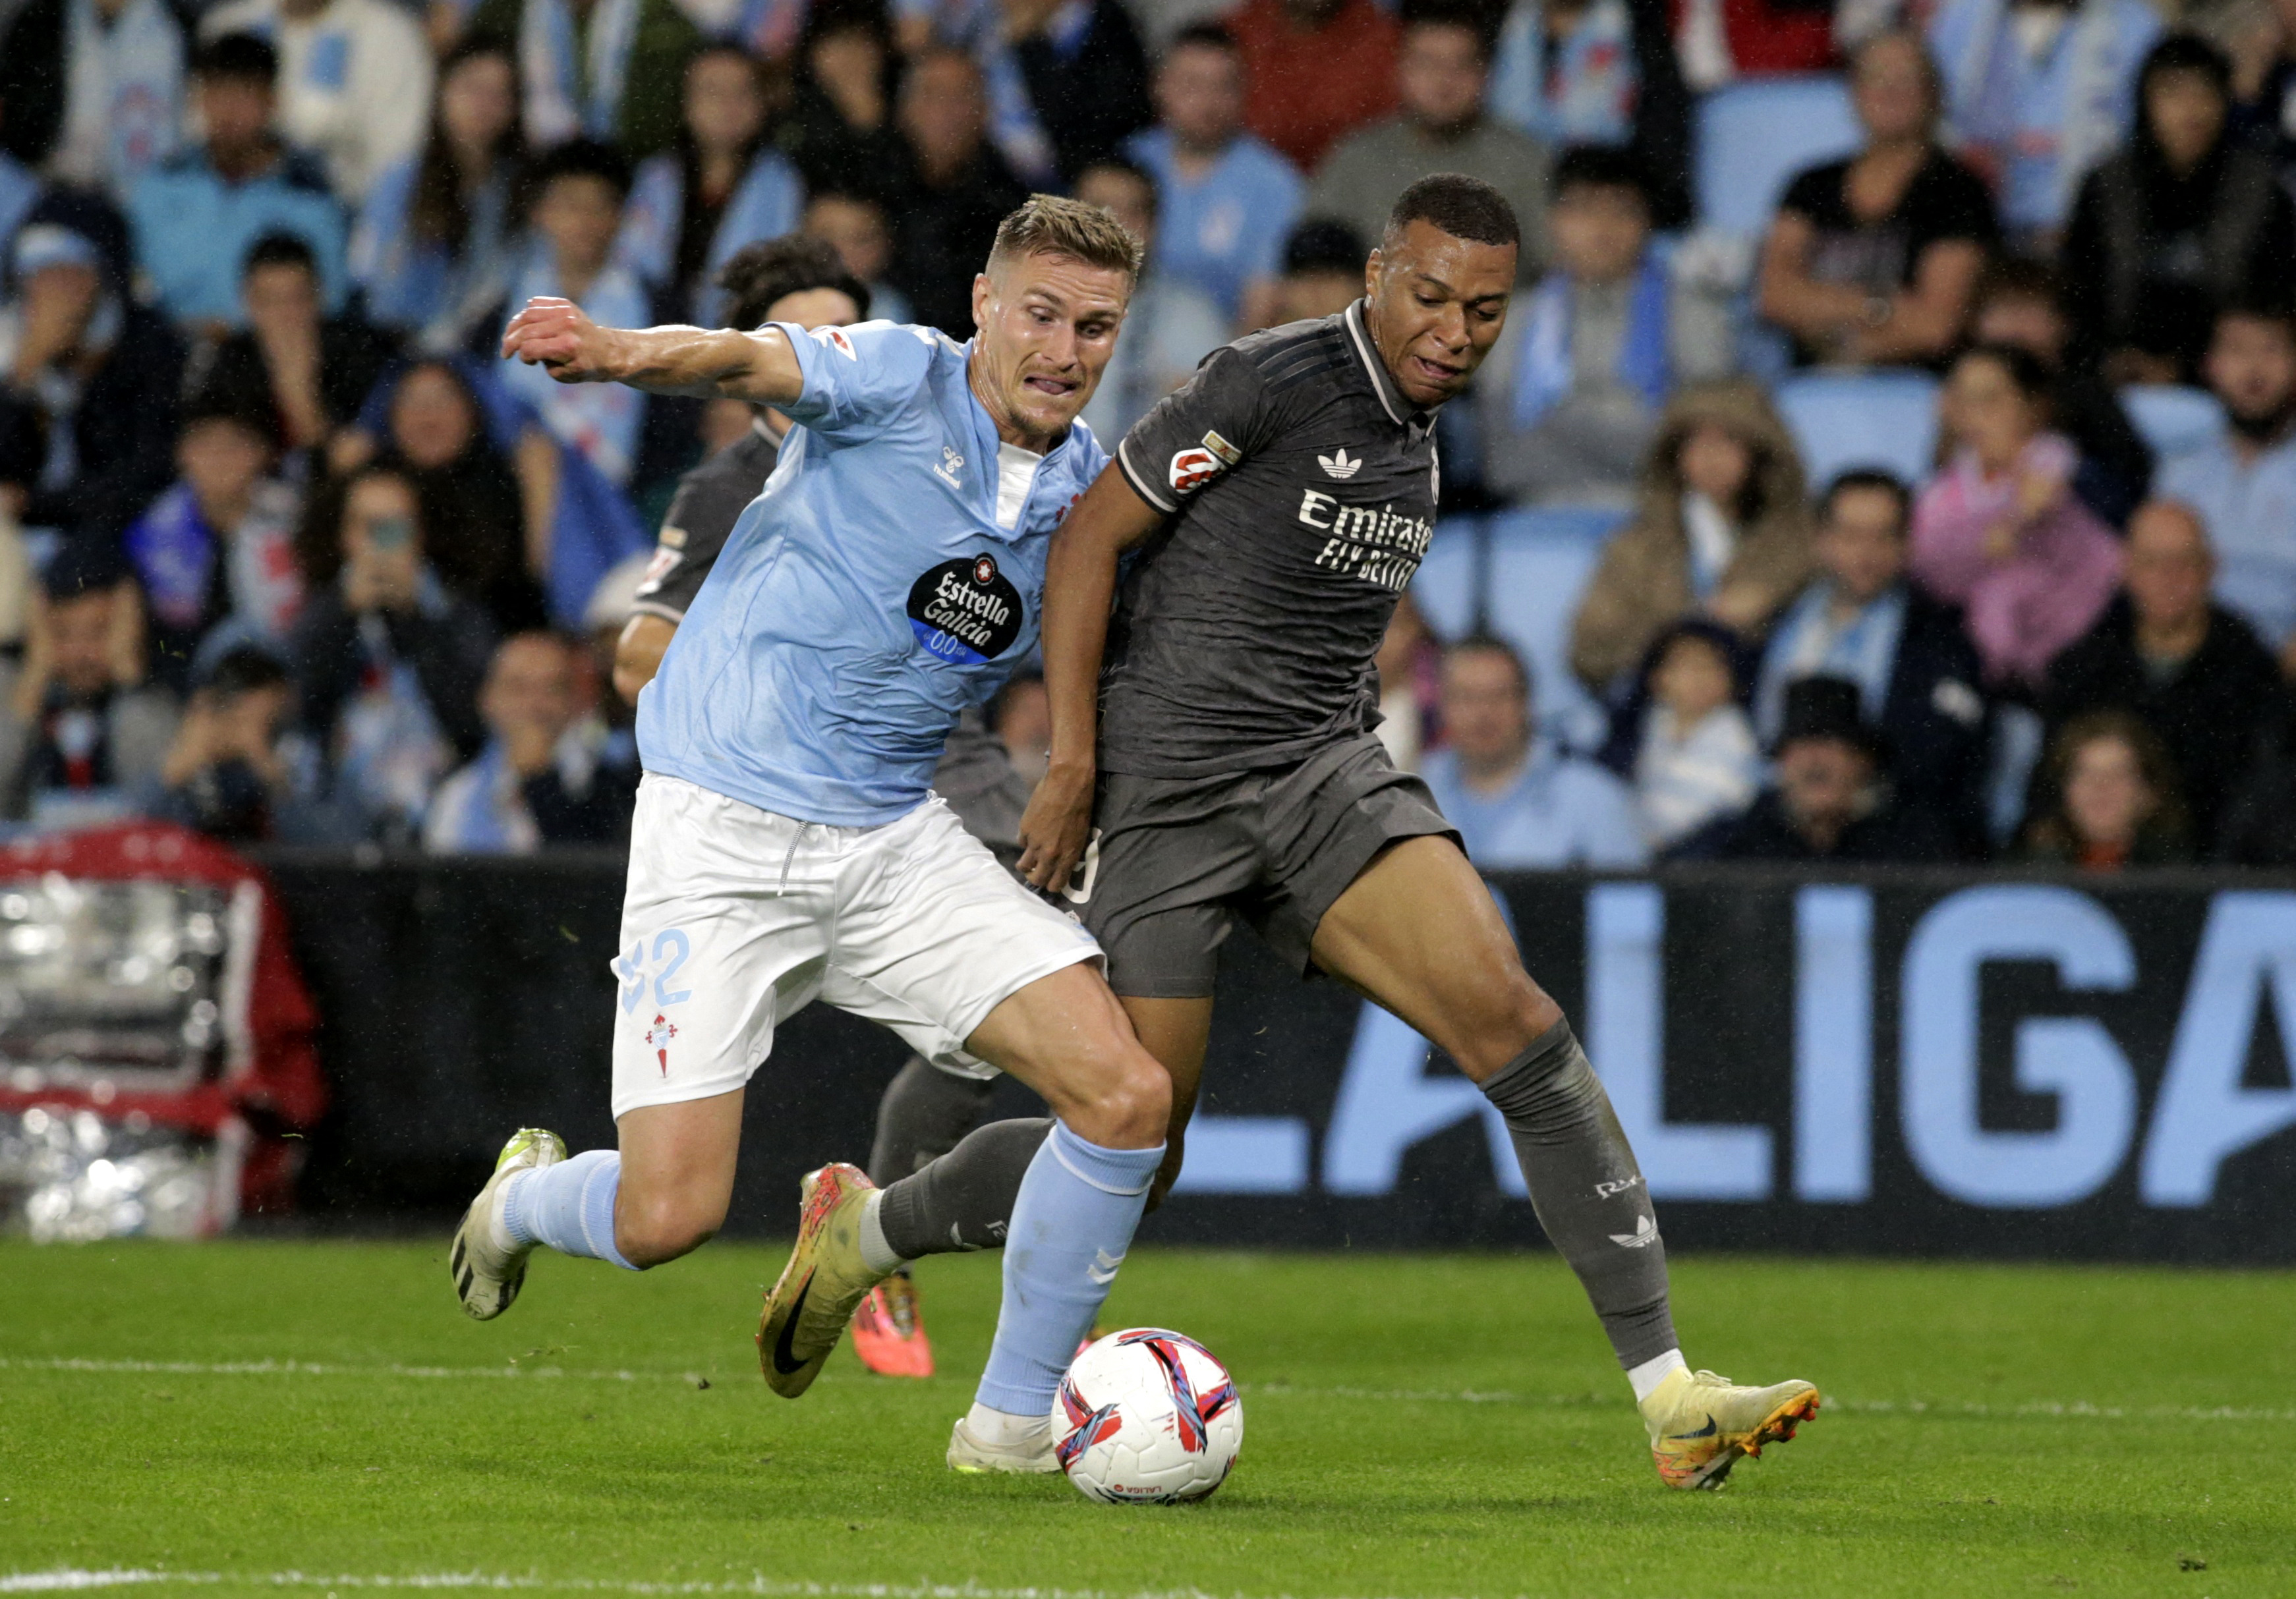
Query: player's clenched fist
(558,336)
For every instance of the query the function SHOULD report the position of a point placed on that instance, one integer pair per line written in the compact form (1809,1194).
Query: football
(1148,1417)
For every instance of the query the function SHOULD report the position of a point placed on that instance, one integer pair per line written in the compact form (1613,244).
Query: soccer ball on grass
(1147,1417)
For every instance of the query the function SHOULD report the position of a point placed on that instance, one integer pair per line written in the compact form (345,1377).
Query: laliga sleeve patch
(1193,468)
(835,339)
(965,611)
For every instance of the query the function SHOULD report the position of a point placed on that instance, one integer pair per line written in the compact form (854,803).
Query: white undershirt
(1016,471)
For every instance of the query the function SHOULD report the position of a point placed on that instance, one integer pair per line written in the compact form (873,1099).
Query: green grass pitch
(319,1418)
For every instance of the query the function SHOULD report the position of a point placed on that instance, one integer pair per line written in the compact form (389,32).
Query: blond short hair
(1051,225)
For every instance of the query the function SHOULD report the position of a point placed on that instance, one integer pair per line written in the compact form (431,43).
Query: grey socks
(1587,1190)
(924,1112)
(962,1200)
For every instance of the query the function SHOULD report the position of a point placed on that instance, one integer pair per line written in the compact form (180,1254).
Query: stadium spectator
(955,189)
(436,434)
(1571,396)
(82,731)
(88,406)
(2019,301)
(197,214)
(2036,93)
(1323,273)
(235,771)
(577,208)
(387,658)
(1999,532)
(1227,201)
(310,370)
(2115,802)
(855,226)
(603,70)
(1314,71)
(92,90)
(1516,801)
(1721,530)
(1410,664)
(1915,671)
(1020,716)
(2190,669)
(1442,125)
(432,246)
(218,549)
(721,186)
(840,131)
(538,779)
(1717,41)
(2264,88)
(1830,798)
(1697,759)
(1080,66)
(1599,72)
(1168,327)
(355,80)
(2181,222)
(2244,483)
(1871,260)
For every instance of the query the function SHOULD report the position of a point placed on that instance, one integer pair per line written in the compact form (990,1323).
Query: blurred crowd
(287,552)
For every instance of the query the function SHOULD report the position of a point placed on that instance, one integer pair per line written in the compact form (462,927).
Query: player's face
(1437,305)
(1048,327)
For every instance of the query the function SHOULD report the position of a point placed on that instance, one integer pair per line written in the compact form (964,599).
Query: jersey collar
(1398,410)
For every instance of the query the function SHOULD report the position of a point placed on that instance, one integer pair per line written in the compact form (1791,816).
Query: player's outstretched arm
(1079,586)
(702,363)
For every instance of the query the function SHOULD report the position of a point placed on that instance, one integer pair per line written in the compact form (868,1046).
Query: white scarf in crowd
(557,107)
(124,94)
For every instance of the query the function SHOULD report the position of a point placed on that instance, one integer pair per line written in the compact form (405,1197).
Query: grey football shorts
(1177,859)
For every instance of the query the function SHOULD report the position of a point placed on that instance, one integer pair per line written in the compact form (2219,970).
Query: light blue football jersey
(867,595)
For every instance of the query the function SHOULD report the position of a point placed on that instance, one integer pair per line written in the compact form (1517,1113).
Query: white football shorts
(735,918)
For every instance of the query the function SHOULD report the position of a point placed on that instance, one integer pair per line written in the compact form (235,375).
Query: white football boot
(488,1275)
(1032,1455)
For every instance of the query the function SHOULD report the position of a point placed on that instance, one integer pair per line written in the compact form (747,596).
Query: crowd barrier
(1890,1062)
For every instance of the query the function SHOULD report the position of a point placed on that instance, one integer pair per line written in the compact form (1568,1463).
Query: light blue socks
(569,1205)
(1071,1223)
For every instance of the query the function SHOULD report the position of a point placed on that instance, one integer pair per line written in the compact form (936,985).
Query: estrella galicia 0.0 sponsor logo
(965,610)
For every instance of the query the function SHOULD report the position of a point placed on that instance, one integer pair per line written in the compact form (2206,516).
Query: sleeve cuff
(1147,490)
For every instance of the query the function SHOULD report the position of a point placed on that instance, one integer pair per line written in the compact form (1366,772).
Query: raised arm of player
(1079,588)
(704,364)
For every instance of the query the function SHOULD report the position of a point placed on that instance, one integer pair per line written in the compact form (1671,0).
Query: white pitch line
(72,1580)
(2022,1410)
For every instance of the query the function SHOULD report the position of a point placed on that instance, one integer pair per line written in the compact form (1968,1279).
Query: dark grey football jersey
(1302,488)
(975,775)
(710,500)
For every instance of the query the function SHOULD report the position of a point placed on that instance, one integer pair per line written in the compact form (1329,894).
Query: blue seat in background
(1878,419)
(1541,561)
(1754,135)
(2172,418)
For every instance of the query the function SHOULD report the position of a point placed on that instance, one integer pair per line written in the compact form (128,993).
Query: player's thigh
(677,1174)
(1068,1038)
(1418,932)
(936,941)
(713,953)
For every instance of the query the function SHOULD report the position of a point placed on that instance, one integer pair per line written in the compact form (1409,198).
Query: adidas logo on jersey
(1339,464)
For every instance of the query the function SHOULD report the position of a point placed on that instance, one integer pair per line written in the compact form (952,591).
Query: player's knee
(1510,1014)
(651,1230)
(1133,1105)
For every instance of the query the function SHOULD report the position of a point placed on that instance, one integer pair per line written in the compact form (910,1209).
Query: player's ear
(982,289)
(1374,265)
